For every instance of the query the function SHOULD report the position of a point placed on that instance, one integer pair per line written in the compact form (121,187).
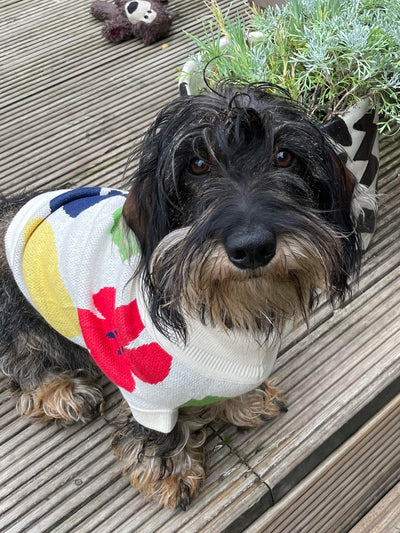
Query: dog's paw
(174,492)
(253,408)
(166,468)
(64,399)
(275,401)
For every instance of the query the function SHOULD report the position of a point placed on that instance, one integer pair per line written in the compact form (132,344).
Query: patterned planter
(355,132)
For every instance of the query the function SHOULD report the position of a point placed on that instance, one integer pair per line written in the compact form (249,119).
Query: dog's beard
(201,281)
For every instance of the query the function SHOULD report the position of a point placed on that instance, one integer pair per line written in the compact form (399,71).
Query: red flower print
(108,336)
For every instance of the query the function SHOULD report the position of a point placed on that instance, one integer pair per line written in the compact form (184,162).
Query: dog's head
(243,211)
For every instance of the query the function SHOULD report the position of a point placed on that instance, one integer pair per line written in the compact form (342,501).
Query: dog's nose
(132,6)
(251,249)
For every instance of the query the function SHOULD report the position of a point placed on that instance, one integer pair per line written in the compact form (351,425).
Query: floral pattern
(75,201)
(108,336)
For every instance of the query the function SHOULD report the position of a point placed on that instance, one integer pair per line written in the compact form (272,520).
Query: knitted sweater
(73,259)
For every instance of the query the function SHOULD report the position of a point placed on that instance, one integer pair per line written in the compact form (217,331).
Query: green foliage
(327,53)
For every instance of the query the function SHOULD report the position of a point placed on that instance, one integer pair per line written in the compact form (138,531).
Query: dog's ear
(339,137)
(136,211)
(151,209)
(344,220)
(344,177)
(146,213)
(334,192)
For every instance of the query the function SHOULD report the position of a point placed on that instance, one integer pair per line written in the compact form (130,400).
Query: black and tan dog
(244,215)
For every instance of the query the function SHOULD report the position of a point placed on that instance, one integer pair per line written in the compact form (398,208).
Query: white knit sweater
(71,258)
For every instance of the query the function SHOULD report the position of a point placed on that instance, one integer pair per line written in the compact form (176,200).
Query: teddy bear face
(140,11)
(148,20)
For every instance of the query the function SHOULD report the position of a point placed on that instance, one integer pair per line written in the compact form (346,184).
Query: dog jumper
(73,258)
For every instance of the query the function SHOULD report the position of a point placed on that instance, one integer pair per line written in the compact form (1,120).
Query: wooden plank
(384,517)
(93,115)
(85,491)
(334,496)
(44,70)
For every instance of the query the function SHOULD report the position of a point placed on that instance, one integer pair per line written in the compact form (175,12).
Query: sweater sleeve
(162,420)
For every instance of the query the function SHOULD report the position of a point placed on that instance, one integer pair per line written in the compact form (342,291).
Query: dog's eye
(198,166)
(283,158)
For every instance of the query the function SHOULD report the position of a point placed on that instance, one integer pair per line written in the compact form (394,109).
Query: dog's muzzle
(250,249)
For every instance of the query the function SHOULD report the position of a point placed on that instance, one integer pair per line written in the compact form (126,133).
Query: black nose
(251,249)
(132,6)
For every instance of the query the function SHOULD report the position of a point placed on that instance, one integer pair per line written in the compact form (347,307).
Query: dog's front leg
(168,468)
(251,409)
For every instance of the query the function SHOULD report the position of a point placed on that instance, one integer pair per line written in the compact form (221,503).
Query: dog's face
(243,212)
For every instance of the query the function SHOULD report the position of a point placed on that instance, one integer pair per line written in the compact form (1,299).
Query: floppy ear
(146,213)
(337,131)
(136,210)
(146,208)
(153,207)
(344,177)
(345,220)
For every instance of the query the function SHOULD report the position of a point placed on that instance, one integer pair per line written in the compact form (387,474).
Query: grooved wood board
(72,107)
(384,517)
(333,497)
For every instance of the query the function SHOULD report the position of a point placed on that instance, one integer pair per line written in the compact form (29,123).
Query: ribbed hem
(160,420)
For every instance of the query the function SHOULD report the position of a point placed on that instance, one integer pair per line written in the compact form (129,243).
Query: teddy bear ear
(103,10)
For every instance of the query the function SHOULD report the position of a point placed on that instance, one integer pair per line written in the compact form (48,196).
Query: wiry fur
(248,410)
(185,222)
(261,300)
(64,398)
(169,467)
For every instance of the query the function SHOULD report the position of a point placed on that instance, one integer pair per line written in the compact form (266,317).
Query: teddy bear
(148,20)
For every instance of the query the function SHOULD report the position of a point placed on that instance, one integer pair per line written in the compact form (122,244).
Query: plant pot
(191,79)
(356,134)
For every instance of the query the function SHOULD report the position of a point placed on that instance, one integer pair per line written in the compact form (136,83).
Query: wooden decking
(72,107)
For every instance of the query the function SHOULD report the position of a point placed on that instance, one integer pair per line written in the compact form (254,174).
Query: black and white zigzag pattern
(356,132)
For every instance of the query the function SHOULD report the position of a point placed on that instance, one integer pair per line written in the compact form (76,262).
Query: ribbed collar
(227,355)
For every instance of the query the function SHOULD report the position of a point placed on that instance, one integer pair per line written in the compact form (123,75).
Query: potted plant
(339,59)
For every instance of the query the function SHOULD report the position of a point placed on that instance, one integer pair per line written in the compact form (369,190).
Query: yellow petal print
(43,279)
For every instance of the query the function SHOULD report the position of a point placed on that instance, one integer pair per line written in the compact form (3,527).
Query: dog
(240,215)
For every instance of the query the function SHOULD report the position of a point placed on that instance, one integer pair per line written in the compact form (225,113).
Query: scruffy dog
(240,214)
